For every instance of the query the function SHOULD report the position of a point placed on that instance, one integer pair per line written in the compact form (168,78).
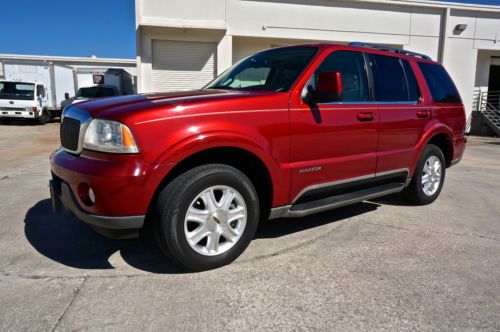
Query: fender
(433,130)
(195,143)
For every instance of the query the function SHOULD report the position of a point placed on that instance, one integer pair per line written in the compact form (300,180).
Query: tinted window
(40,91)
(95,92)
(440,84)
(390,79)
(250,77)
(413,90)
(14,90)
(271,70)
(351,66)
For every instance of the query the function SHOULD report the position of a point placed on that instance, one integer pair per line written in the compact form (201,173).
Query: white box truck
(27,79)
(99,83)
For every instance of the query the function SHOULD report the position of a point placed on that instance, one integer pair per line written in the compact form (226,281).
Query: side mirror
(328,89)
(66,96)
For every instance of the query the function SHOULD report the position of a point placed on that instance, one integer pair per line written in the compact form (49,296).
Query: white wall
(243,27)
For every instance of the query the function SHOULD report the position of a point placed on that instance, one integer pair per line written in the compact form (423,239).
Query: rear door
(337,140)
(403,115)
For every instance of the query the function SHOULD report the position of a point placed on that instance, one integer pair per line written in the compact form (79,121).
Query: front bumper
(18,114)
(114,227)
(123,188)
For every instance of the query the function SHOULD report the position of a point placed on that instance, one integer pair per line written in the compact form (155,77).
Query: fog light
(91,195)
(86,194)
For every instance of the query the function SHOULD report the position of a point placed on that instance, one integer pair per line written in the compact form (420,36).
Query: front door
(338,140)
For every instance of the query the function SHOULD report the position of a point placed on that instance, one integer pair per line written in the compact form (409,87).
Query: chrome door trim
(287,212)
(343,181)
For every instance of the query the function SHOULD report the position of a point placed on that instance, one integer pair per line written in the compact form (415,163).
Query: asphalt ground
(379,265)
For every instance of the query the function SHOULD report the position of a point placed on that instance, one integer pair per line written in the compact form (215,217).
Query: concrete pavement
(372,266)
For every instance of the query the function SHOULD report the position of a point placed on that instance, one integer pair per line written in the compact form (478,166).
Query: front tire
(207,216)
(428,179)
(44,117)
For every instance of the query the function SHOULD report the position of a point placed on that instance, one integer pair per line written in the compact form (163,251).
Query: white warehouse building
(184,44)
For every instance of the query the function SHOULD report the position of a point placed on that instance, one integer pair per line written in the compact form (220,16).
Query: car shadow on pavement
(280,227)
(68,241)
(26,122)
(394,199)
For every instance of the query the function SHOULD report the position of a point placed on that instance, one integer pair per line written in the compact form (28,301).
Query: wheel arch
(444,142)
(242,159)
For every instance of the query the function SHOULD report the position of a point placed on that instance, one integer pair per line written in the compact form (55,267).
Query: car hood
(144,107)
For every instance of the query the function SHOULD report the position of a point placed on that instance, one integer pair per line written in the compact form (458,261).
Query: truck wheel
(428,179)
(44,118)
(207,216)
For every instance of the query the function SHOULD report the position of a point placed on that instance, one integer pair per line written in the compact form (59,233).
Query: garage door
(179,66)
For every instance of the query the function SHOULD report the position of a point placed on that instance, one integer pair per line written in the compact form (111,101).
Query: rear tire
(428,179)
(206,217)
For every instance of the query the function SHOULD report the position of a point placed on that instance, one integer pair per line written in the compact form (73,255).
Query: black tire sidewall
(422,198)
(44,117)
(173,220)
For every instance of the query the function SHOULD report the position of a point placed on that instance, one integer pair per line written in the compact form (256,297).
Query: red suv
(287,132)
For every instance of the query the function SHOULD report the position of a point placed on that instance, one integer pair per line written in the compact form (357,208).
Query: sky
(104,28)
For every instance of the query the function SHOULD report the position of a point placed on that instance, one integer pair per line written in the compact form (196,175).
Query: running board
(328,203)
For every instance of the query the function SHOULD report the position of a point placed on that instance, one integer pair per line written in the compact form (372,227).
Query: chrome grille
(70,133)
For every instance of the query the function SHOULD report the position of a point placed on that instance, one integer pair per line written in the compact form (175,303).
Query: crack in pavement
(75,294)
(434,231)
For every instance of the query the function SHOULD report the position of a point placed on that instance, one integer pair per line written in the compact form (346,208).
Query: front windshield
(272,70)
(95,92)
(17,90)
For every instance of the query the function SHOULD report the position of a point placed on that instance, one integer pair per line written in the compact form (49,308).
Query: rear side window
(440,84)
(351,66)
(393,79)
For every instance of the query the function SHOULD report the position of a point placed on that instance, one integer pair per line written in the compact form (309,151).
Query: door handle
(366,116)
(422,114)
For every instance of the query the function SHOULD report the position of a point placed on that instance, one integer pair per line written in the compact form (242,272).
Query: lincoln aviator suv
(284,133)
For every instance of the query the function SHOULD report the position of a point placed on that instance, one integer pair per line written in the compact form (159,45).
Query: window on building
(351,66)
(440,84)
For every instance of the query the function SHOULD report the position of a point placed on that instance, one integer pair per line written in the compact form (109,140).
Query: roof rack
(391,49)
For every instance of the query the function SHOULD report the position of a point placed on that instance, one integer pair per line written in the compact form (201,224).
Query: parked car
(23,100)
(91,92)
(287,132)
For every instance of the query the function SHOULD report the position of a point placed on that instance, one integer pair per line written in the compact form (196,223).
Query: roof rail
(391,49)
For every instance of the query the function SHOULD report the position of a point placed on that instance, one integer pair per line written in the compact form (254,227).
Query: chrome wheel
(215,220)
(431,175)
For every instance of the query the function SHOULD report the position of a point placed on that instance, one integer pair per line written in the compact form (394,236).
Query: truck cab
(28,100)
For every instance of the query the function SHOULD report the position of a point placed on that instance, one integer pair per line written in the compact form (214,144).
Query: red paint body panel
(277,127)
(123,184)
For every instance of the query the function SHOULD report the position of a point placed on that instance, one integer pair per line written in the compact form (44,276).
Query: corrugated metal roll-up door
(180,66)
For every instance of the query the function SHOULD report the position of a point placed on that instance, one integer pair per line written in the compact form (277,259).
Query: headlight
(109,136)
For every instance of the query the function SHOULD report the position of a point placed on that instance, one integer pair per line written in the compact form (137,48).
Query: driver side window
(40,91)
(351,66)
